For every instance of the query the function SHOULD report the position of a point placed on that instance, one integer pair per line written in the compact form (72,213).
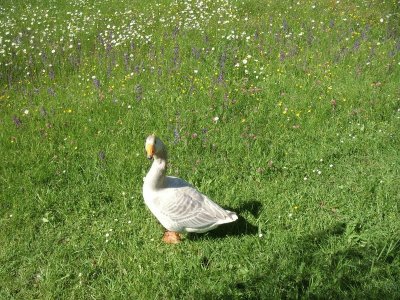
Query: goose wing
(192,211)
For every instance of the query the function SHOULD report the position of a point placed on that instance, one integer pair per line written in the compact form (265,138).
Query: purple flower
(176,136)
(96,83)
(17,121)
(43,111)
(102,155)
(51,91)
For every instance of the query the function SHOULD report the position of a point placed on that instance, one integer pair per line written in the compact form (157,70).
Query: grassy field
(287,112)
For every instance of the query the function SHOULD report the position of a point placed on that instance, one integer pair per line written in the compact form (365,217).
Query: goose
(178,206)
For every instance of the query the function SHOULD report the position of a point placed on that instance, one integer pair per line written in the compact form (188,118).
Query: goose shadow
(241,227)
(266,284)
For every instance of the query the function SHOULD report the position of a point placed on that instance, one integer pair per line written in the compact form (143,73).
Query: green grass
(286,113)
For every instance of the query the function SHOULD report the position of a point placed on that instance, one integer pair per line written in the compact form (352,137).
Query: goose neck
(156,175)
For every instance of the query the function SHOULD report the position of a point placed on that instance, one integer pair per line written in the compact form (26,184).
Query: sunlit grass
(287,113)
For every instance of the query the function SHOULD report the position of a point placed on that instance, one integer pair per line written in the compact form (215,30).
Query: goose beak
(150,151)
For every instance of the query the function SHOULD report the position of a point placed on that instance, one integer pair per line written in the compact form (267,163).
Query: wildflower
(244,61)
(26,112)
(215,119)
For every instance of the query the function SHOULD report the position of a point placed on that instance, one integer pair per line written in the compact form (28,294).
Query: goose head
(155,147)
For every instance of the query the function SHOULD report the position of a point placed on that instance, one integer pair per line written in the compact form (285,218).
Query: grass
(287,113)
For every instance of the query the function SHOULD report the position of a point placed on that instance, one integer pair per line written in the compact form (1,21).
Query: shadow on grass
(240,227)
(301,270)
(346,268)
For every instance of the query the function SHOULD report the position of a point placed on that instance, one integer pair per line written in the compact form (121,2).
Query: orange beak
(150,151)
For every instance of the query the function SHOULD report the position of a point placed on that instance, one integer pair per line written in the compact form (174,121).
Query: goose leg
(171,237)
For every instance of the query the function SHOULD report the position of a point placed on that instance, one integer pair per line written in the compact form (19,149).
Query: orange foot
(171,237)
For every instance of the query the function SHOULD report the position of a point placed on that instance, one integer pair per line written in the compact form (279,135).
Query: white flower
(244,61)
(215,119)
(196,71)
(26,111)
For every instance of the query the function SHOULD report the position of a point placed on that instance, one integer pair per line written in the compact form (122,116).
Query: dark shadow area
(252,206)
(342,271)
(274,282)
(240,227)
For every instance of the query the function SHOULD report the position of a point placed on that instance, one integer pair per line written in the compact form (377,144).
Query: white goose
(175,203)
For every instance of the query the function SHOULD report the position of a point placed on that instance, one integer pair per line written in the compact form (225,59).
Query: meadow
(287,112)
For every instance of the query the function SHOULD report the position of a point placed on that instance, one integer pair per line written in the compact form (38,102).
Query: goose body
(177,205)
